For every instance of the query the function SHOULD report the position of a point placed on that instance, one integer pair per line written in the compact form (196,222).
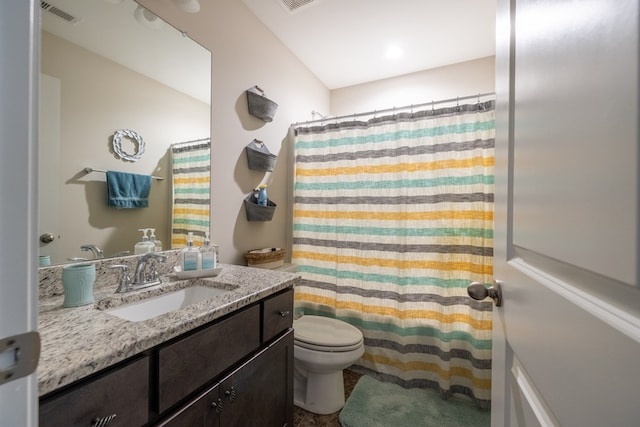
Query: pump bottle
(143,246)
(156,243)
(208,253)
(190,257)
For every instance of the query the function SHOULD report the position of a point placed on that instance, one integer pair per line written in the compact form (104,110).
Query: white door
(567,338)
(19,35)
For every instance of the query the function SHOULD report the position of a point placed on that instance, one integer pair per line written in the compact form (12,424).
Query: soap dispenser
(208,253)
(156,243)
(190,257)
(143,246)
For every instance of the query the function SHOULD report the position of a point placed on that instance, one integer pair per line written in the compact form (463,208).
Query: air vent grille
(294,5)
(59,13)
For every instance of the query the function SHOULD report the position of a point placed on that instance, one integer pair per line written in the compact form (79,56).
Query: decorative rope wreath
(117,146)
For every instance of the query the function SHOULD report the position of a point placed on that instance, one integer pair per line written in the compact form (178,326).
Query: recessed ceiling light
(394,52)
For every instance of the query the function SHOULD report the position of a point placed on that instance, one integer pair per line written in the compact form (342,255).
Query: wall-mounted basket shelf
(260,106)
(258,156)
(256,212)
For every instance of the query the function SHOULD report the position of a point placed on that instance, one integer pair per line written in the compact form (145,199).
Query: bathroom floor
(302,418)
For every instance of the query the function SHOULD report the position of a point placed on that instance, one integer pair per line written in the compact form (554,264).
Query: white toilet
(323,347)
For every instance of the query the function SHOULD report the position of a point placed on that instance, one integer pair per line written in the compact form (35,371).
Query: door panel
(575,133)
(567,338)
(19,48)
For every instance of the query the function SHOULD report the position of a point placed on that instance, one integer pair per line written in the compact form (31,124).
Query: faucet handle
(125,279)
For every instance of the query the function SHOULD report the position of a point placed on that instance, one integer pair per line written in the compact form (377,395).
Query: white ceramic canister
(77,282)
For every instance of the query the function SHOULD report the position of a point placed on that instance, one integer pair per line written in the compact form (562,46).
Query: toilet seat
(326,334)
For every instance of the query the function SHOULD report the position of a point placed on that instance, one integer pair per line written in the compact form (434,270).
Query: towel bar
(89,170)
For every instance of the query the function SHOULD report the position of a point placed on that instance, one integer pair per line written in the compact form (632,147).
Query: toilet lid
(325,332)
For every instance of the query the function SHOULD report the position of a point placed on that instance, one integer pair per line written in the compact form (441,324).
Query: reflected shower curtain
(392,219)
(191,171)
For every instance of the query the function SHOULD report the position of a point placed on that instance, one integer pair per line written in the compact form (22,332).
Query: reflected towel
(128,190)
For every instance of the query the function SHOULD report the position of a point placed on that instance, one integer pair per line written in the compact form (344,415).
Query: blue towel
(128,190)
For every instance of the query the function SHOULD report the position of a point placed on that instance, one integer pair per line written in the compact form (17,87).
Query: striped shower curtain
(392,219)
(191,167)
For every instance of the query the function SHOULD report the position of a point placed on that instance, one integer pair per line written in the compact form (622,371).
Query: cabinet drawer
(123,392)
(189,363)
(277,315)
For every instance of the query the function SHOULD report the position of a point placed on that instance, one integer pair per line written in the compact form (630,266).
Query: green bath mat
(377,404)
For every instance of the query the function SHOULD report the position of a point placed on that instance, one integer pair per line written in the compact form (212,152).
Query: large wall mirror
(108,65)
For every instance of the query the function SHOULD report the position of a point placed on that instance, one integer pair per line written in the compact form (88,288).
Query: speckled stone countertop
(80,341)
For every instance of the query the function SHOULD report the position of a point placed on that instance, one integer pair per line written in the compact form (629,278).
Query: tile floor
(302,418)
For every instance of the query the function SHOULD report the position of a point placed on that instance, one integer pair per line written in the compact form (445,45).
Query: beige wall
(245,53)
(97,98)
(466,78)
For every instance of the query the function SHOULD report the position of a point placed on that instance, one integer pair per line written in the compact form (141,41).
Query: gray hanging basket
(256,212)
(261,106)
(258,156)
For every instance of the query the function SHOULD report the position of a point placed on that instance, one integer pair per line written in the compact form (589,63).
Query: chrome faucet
(140,279)
(97,252)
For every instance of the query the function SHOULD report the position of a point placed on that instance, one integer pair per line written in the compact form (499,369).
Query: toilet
(323,347)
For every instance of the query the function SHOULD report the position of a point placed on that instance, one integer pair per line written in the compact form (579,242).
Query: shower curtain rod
(395,109)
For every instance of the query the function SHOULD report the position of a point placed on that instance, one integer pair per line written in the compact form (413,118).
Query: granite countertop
(80,341)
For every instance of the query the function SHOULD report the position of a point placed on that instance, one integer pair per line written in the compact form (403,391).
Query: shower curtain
(392,219)
(191,166)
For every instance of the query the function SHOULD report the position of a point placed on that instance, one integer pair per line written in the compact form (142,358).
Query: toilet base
(319,393)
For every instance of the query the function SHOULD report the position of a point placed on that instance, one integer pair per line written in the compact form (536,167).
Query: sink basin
(155,306)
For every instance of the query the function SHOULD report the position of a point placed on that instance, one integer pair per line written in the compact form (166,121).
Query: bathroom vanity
(226,361)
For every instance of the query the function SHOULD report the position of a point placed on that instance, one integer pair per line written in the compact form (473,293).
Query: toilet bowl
(323,347)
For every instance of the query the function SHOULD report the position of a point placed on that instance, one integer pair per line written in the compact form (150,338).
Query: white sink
(155,306)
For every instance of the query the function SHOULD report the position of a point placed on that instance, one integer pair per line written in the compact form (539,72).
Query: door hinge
(19,356)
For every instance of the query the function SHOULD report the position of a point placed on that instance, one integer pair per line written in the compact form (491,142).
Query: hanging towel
(128,190)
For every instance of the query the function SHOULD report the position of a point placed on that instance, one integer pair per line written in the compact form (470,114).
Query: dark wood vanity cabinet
(258,393)
(235,371)
(119,397)
(191,362)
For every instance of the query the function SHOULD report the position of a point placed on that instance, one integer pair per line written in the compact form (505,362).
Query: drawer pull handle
(231,394)
(217,405)
(104,421)
(284,313)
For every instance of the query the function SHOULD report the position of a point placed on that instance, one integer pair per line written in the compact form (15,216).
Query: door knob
(47,238)
(478,291)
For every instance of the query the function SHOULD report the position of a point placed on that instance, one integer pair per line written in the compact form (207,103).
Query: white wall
(463,79)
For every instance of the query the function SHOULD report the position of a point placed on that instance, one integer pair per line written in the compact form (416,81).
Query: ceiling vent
(59,13)
(293,6)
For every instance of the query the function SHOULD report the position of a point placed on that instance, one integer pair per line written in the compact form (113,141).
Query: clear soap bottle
(190,257)
(143,246)
(156,243)
(208,253)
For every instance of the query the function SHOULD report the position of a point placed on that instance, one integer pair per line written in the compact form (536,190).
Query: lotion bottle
(208,253)
(190,257)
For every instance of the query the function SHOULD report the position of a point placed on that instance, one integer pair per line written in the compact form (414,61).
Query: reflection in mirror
(112,66)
